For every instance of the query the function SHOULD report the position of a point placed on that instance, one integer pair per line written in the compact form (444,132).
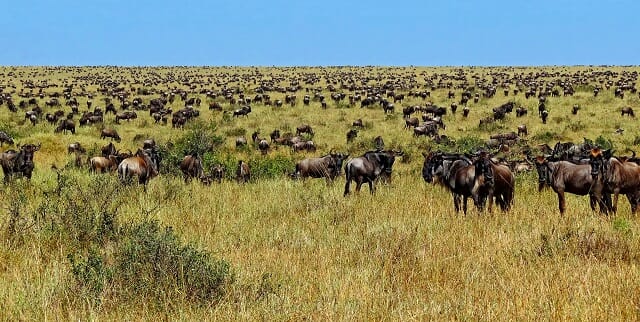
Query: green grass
(298,249)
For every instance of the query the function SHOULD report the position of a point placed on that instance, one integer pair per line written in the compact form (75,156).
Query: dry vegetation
(81,246)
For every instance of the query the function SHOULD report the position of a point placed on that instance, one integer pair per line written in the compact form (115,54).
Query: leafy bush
(547,136)
(152,262)
(199,138)
(603,143)
(270,167)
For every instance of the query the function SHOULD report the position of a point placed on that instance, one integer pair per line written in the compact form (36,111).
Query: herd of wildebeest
(483,175)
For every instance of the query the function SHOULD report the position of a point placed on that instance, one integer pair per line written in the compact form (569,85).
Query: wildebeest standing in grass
(455,172)
(103,164)
(66,125)
(620,177)
(492,180)
(145,165)
(110,133)
(368,168)
(191,167)
(243,172)
(578,179)
(328,166)
(628,111)
(18,163)
(5,138)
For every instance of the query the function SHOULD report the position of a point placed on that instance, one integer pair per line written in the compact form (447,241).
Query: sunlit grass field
(299,249)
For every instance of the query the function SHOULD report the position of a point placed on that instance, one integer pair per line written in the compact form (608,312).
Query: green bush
(152,263)
(270,167)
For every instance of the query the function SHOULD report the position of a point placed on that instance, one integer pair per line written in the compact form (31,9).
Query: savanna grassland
(82,246)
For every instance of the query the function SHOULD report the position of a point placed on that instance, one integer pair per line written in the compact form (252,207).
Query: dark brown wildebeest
(263,146)
(328,166)
(387,107)
(66,125)
(351,135)
(304,128)
(274,135)
(244,111)
(522,130)
(110,133)
(465,111)
(407,111)
(18,163)
(191,167)
(75,147)
(357,123)
(148,144)
(579,179)
(368,168)
(243,172)
(454,108)
(51,118)
(575,109)
(492,180)
(126,115)
(544,116)
(145,164)
(619,177)
(102,164)
(521,111)
(5,138)
(628,110)
(378,143)
(410,122)
(427,129)
(215,106)
(108,150)
(217,172)
(455,172)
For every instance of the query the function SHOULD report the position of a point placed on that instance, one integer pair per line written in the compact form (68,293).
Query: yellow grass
(300,250)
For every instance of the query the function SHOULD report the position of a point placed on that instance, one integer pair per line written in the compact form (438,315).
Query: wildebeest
(108,150)
(328,166)
(465,112)
(575,109)
(410,122)
(454,172)
(379,143)
(18,163)
(351,135)
(75,147)
(357,123)
(241,141)
(5,138)
(579,179)
(110,133)
(263,146)
(628,111)
(244,111)
(521,111)
(368,168)
(217,172)
(145,164)
(243,172)
(492,180)
(102,164)
(191,167)
(619,177)
(148,144)
(544,116)
(522,129)
(66,125)
(304,128)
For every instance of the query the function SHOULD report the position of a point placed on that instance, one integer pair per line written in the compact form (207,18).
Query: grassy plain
(298,249)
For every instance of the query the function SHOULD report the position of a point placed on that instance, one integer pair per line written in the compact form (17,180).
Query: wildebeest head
(431,161)
(544,177)
(597,161)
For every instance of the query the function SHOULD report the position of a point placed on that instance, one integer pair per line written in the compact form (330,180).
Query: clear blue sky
(326,32)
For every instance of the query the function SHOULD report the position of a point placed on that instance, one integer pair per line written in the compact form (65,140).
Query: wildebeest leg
(456,202)
(561,202)
(371,187)
(490,197)
(592,202)
(616,193)
(464,204)
(358,184)
(346,187)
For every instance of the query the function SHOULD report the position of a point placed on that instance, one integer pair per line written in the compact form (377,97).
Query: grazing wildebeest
(18,163)
(368,168)
(244,111)
(110,133)
(5,138)
(357,123)
(191,167)
(465,111)
(328,166)
(215,106)
(628,110)
(351,135)
(304,128)
(75,147)
(521,111)
(427,129)
(454,172)
(108,150)
(243,173)
(102,164)
(274,135)
(145,164)
(579,179)
(66,125)
(522,129)
(241,141)
(263,146)
(619,177)
(410,122)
